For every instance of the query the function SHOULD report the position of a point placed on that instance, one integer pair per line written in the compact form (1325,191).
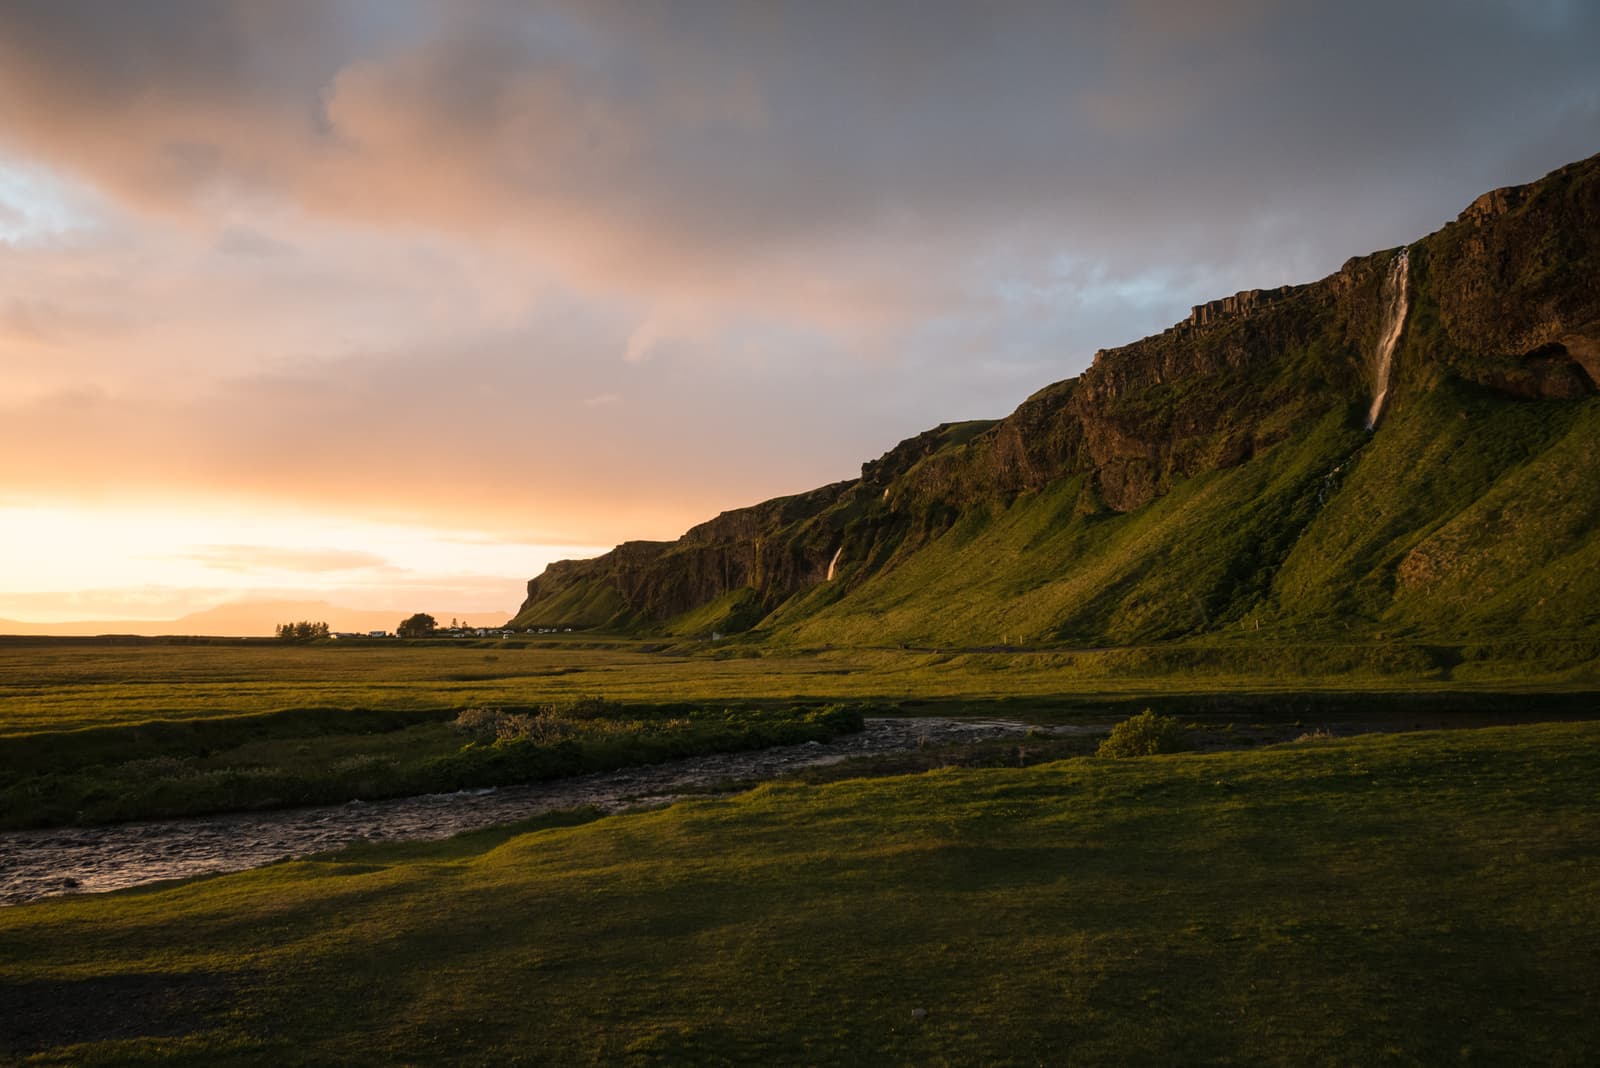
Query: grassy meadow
(75,684)
(96,731)
(1423,898)
(157,729)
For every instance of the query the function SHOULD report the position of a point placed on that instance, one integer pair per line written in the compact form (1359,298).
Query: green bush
(1144,735)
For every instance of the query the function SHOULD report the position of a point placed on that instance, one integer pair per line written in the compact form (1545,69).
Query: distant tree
(303,631)
(420,625)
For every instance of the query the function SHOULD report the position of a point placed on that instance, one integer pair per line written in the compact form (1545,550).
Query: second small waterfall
(1394,311)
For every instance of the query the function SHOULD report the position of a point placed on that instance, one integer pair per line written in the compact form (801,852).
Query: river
(66,860)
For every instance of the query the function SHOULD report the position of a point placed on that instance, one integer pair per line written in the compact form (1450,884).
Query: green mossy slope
(1470,514)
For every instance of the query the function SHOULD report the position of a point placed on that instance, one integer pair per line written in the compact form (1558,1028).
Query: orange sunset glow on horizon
(360,309)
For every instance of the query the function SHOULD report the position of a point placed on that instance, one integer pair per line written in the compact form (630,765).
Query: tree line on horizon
(303,631)
(417,625)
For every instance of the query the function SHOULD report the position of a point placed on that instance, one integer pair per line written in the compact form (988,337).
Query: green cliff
(1218,478)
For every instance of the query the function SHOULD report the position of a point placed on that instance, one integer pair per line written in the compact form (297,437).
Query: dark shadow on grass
(41,1014)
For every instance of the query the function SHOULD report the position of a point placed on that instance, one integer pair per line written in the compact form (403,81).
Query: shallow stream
(66,860)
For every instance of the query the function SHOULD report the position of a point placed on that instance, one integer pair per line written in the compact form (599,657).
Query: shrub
(837,718)
(483,722)
(544,727)
(1144,735)
(541,728)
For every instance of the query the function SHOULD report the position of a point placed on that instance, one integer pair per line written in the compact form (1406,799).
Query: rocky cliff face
(648,581)
(1517,280)
(1507,297)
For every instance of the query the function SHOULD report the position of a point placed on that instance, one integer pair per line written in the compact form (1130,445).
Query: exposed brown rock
(1241,303)
(1548,373)
(1493,203)
(1583,347)
(1520,270)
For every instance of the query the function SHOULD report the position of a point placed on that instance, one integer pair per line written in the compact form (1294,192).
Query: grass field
(70,684)
(96,731)
(1405,899)
(143,769)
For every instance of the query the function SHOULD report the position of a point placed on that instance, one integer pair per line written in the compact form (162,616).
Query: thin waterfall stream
(1395,307)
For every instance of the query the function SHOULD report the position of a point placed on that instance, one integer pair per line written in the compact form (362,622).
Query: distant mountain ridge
(1215,477)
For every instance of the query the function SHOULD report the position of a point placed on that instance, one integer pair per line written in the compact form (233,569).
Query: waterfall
(1395,316)
(834,563)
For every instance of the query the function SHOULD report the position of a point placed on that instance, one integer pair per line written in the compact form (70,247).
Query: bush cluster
(545,725)
(1146,734)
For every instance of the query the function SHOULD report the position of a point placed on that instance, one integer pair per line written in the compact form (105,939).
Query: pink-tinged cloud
(703,161)
(257,557)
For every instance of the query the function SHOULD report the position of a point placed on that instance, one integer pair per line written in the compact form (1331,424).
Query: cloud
(258,557)
(398,258)
(106,602)
(42,321)
(644,339)
(246,242)
(698,155)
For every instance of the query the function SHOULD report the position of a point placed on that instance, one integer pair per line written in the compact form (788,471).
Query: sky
(382,305)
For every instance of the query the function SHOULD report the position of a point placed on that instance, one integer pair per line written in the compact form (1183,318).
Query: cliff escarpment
(1075,517)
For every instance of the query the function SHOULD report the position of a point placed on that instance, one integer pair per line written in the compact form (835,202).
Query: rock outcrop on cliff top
(1255,399)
